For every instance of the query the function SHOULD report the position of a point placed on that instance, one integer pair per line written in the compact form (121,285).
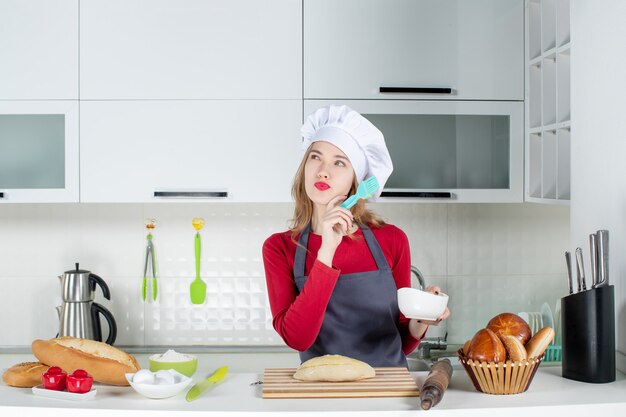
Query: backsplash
(488,257)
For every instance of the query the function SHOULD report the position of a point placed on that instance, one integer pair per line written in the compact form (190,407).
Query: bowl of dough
(186,364)
(159,384)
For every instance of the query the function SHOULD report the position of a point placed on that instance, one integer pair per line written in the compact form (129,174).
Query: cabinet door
(38,151)
(352,48)
(191,49)
(38,49)
(132,149)
(448,151)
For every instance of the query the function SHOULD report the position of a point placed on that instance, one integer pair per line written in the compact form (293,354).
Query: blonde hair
(303,210)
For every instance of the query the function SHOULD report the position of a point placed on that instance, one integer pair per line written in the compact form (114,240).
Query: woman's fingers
(433,289)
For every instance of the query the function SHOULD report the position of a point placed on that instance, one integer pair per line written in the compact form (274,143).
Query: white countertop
(548,393)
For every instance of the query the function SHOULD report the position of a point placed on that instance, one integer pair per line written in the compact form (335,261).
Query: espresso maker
(79,316)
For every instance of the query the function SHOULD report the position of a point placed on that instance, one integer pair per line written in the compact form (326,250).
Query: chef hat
(357,137)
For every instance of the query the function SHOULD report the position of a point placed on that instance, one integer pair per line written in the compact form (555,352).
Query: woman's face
(327,173)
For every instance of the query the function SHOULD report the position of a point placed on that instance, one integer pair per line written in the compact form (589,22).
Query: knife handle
(580,270)
(568,263)
(603,257)
(593,249)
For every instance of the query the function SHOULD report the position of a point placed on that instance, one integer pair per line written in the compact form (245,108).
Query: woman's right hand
(334,225)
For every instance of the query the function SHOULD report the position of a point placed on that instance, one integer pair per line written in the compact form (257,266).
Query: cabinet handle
(1,195)
(416,194)
(191,194)
(418,90)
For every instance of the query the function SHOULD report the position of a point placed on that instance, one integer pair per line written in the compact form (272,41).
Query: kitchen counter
(548,393)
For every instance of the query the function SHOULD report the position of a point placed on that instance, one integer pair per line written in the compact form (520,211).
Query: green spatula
(197,289)
(201,387)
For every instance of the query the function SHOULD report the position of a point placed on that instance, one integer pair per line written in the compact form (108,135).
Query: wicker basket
(500,378)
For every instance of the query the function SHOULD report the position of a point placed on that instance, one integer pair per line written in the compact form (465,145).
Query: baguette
(25,374)
(105,363)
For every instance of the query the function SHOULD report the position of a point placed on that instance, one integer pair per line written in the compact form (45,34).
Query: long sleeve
(297,317)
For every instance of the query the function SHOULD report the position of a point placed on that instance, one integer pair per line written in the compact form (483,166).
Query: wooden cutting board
(388,382)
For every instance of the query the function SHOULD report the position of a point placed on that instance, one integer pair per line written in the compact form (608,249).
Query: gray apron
(361,320)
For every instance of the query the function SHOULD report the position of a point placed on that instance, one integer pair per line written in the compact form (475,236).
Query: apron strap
(300,257)
(377,252)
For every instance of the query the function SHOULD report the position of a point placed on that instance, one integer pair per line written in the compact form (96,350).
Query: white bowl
(161,391)
(416,304)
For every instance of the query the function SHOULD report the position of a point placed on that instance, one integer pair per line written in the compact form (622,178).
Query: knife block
(588,335)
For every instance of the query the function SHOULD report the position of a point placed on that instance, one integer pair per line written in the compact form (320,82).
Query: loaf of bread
(510,324)
(104,362)
(334,368)
(486,346)
(25,374)
(514,349)
(539,342)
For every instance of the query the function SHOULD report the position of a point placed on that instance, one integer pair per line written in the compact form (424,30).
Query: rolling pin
(436,383)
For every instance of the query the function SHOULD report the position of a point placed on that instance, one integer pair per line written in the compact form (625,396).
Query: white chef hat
(356,136)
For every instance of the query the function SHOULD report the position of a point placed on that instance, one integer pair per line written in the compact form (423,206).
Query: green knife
(201,387)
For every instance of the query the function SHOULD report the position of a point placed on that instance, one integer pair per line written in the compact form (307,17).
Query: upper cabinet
(548,122)
(465,50)
(168,150)
(190,49)
(38,151)
(38,49)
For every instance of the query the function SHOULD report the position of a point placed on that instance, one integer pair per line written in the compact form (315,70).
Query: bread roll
(334,368)
(510,324)
(514,348)
(466,347)
(105,363)
(539,342)
(486,347)
(25,374)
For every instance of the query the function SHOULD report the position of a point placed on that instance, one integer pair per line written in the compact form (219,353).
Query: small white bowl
(161,391)
(416,304)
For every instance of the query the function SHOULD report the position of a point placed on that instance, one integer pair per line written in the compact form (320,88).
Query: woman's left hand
(433,289)
(418,327)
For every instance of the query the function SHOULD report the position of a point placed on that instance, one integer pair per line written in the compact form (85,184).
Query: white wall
(488,257)
(598,65)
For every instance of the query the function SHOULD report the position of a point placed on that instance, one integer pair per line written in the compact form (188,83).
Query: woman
(332,278)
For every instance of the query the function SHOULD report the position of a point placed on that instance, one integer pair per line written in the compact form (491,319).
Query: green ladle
(198,287)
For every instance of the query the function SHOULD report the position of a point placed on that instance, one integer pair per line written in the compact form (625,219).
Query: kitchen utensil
(366,189)
(150,225)
(593,249)
(157,391)
(417,304)
(79,316)
(201,387)
(64,395)
(198,287)
(588,335)
(603,258)
(436,384)
(568,262)
(580,270)
(388,382)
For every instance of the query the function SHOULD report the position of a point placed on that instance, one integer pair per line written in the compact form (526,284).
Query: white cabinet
(131,150)
(475,48)
(448,151)
(190,49)
(548,123)
(38,49)
(38,151)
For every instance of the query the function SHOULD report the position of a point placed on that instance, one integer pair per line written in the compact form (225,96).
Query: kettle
(79,316)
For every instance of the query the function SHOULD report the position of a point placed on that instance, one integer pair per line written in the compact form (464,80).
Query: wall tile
(476,253)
